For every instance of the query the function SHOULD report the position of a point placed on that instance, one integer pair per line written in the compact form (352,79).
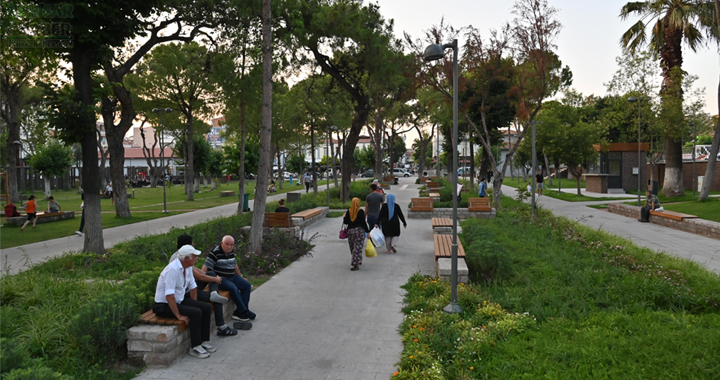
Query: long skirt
(356,240)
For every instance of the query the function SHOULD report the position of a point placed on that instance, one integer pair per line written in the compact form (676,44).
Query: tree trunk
(348,161)
(673,185)
(243,137)
(377,139)
(47,189)
(265,161)
(117,161)
(94,241)
(710,169)
(313,164)
(12,108)
(189,172)
(332,154)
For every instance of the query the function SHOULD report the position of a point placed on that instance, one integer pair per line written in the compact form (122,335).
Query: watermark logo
(50,27)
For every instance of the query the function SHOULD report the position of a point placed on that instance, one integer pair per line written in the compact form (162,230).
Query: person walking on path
(390,216)
(170,301)
(539,182)
(372,205)
(109,191)
(307,181)
(357,228)
(652,203)
(222,261)
(483,188)
(31,210)
(79,232)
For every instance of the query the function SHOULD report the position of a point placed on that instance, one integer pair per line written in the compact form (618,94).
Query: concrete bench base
(697,226)
(463,213)
(19,220)
(163,345)
(446,230)
(302,223)
(443,269)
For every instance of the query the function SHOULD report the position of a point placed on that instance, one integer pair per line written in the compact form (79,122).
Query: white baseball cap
(187,250)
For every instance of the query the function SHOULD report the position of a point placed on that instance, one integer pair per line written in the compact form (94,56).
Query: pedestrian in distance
(307,181)
(390,217)
(482,192)
(357,229)
(539,182)
(31,210)
(79,232)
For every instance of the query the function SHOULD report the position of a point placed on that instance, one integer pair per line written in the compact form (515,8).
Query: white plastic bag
(377,237)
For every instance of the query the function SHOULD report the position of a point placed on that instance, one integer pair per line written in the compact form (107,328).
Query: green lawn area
(687,204)
(565,184)
(151,199)
(11,236)
(147,200)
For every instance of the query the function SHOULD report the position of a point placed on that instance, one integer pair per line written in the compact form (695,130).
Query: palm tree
(672,22)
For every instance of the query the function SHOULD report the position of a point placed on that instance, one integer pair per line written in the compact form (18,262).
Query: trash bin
(246,201)
(654,186)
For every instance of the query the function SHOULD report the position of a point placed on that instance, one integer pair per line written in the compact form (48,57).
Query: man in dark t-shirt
(373,203)
(539,182)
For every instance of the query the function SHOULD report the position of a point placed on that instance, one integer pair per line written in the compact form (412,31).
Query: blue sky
(588,42)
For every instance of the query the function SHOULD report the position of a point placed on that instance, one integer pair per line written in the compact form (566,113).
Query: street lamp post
(693,155)
(327,151)
(633,99)
(434,52)
(162,113)
(534,168)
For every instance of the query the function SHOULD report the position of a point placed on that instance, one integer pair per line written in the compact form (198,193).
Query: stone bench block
(443,268)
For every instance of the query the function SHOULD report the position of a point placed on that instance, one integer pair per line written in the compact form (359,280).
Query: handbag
(370,249)
(343,231)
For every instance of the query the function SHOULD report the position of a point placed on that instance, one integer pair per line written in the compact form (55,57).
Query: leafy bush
(486,259)
(36,372)
(13,355)
(99,329)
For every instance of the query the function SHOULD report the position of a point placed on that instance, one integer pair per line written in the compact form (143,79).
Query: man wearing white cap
(170,300)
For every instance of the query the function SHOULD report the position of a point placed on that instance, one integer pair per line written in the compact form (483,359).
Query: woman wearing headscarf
(390,216)
(357,228)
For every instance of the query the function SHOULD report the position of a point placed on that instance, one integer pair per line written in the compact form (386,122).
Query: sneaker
(250,314)
(240,316)
(226,331)
(208,347)
(78,233)
(217,298)
(199,352)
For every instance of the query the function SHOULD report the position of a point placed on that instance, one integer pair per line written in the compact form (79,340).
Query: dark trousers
(645,213)
(307,187)
(82,221)
(199,314)
(205,297)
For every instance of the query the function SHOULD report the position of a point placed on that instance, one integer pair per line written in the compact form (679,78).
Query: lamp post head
(633,99)
(433,52)
(168,110)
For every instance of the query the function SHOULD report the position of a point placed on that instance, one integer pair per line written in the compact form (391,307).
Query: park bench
(672,215)
(435,196)
(424,179)
(432,184)
(43,217)
(441,222)
(443,246)
(278,219)
(421,204)
(150,318)
(227,193)
(307,214)
(479,204)
(391,179)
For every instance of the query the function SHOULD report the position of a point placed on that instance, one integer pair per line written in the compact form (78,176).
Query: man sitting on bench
(651,204)
(281,206)
(211,280)
(170,300)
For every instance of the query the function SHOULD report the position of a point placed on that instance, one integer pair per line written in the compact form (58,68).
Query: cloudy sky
(588,42)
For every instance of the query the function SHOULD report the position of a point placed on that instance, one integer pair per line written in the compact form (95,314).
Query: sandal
(393,248)
(227,331)
(242,325)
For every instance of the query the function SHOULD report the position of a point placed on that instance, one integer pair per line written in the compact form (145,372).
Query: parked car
(368,174)
(401,172)
(463,172)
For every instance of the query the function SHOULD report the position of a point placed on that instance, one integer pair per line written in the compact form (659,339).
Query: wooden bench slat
(672,215)
(305,214)
(421,204)
(278,219)
(443,246)
(479,204)
(441,222)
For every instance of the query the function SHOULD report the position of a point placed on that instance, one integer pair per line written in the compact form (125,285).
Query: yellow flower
(396,373)
(415,340)
(419,352)
(472,367)
(411,356)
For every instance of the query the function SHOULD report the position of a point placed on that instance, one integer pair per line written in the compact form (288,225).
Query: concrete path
(16,259)
(317,319)
(700,249)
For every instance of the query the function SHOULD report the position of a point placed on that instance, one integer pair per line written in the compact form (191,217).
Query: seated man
(651,204)
(222,261)
(170,300)
(281,206)
(211,280)
(53,206)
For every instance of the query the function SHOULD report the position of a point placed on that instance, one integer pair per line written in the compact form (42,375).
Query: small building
(617,168)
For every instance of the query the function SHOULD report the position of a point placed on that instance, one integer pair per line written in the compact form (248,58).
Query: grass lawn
(151,199)
(553,192)
(11,236)
(708,210)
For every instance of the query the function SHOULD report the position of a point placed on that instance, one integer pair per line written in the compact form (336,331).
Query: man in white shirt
(170,300)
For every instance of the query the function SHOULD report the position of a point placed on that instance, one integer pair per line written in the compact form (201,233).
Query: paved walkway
(700,249)
(317,319)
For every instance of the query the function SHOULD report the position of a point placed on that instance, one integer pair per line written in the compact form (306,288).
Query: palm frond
(639,7)
(634,37)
